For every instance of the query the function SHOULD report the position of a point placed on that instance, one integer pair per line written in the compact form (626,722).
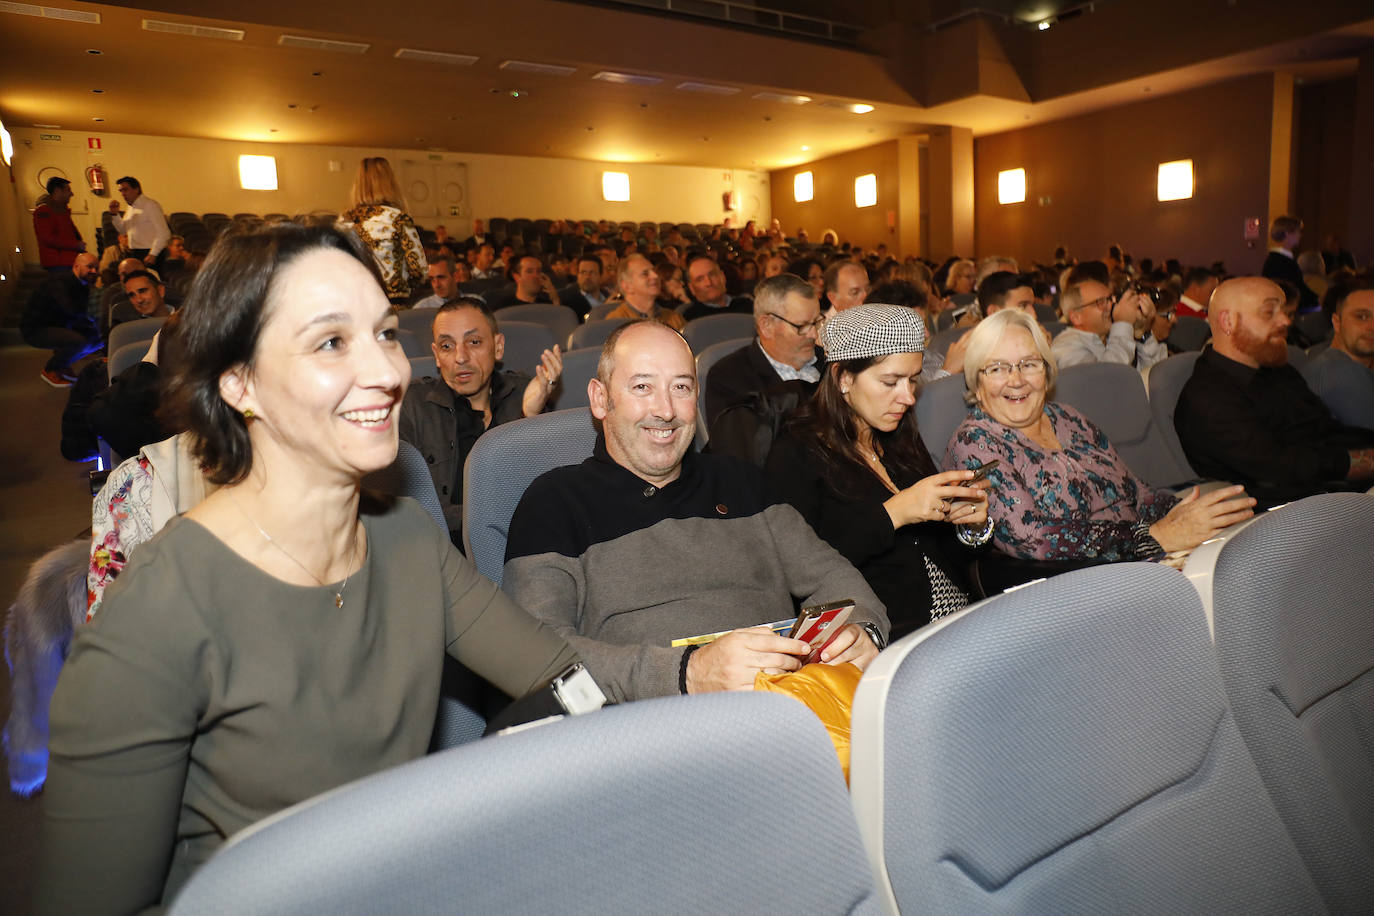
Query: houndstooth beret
(873,330)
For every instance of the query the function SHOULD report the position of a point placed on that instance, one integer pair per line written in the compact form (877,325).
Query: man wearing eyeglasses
(1104,328)
(787,320)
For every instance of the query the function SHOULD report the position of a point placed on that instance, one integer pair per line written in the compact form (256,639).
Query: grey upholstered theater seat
(707,357)
(1112,395)
(557,318)
(129,331)
(594,332)
(712,329)
(419,322)
(1190,333)
(503,462)
(579,367)
(598,312)
(457,720)
(525,342)
(128,355)
(1294,625)
(1164,382)
(940,408)
(422,367)
(1067,748)
(728,803)
(940,343)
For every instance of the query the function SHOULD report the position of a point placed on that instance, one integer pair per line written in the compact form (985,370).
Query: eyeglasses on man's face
(999,372)
(810,326)
(1104,302)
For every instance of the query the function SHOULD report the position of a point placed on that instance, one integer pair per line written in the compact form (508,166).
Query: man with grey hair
(1105,328)
(442,280)
(646,545)
(991,265)
(787,322)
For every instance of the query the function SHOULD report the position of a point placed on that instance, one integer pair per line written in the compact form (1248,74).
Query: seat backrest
(1189,333)
(506,460)
(128,355)
(1052,328)
(129,331)
(941,341)
(1066,748)
(1164,382)
(1315,326)
(579,367)
(559,319)
(940,408)
(653,806)
(1297,357)
(707,357)
(423,367)
(525,342)
(1045,313)
(1295,639)
(1112,395)
(419,322)
(598,312)
(594,332)
(411,344)
(702,332)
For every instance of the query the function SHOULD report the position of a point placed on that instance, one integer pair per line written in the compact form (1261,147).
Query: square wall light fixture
(866,190)
(258,173)
(615,186)
(1176,180)
(802,190)
(1011,186)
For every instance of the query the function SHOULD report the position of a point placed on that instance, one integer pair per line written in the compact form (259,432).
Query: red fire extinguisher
(95,177)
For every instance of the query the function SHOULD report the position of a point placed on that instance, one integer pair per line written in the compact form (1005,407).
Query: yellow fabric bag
(828,691)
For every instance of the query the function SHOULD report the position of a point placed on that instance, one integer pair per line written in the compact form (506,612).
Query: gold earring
(248,413)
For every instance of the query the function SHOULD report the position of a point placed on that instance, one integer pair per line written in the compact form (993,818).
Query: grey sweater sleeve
(815,571)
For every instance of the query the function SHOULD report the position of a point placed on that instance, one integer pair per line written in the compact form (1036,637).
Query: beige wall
(832,203)
(1096,175)
(202,176)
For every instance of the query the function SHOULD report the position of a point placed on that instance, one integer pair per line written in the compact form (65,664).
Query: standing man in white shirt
(143,222)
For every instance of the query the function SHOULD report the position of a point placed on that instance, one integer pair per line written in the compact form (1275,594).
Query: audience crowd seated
(849,504)
(284,636)
(852,463)
(1059,489)
(442,417)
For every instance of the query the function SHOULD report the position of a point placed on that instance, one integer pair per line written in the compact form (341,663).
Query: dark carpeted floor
(44,501)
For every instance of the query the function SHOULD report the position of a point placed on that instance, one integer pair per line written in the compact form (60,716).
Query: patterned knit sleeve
(121,519)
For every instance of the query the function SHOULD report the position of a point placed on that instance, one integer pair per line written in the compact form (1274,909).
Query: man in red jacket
(58,240)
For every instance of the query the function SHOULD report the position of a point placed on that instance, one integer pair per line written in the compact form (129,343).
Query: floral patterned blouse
(395,243)
(1079,502)
(120,520)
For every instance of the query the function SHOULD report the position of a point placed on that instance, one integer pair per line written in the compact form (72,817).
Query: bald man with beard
(1248,417)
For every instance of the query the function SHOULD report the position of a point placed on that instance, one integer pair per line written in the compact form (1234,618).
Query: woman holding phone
(852,463)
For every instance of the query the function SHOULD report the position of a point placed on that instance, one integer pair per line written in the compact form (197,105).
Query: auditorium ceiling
(621,81)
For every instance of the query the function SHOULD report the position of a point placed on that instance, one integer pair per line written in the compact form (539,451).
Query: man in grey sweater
(647,542)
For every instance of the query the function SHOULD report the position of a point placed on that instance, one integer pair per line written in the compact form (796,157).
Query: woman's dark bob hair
(224,313)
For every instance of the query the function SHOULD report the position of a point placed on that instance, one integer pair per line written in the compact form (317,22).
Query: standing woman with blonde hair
(376,212)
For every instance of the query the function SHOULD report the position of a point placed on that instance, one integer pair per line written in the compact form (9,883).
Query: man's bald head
(85,267)
(128,266)
(1248,322)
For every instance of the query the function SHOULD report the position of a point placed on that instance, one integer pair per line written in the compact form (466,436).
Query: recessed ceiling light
(632,79)
(806,149)
(94,51)
(97,119)
(861,108)
(97,91)
(782,97)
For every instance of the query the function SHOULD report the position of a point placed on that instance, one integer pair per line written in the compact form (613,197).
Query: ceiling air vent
(629,79)
(525,66)
(191,30)
(436,57)
(323,44)
(49,12)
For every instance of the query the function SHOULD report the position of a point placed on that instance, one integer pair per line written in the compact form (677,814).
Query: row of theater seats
(1102,742)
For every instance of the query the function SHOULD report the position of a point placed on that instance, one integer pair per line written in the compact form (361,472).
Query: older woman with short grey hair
(1060,491)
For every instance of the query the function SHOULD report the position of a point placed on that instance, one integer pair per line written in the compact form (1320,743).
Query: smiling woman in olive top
(286,635)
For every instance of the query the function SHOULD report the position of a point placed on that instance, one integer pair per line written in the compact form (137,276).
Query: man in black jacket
(1280,264)
(1248,417)
(787,320)
(57,318)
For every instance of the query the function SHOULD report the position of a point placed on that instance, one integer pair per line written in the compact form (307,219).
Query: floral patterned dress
(395,243)
(1079,502)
